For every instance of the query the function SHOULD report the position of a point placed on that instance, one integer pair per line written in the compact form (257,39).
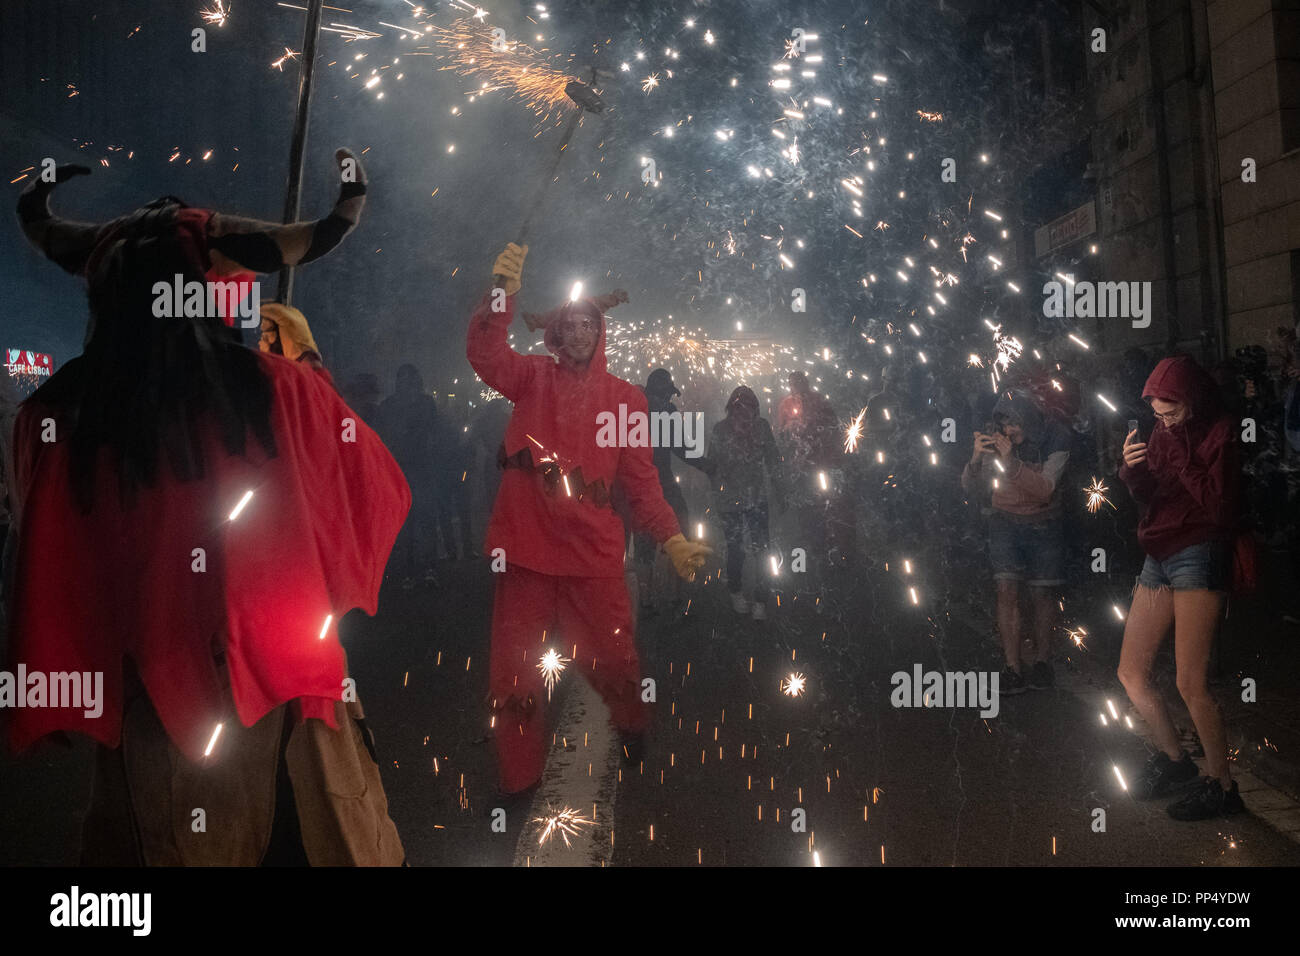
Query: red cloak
(310,543)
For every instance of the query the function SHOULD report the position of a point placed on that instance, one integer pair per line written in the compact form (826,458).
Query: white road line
(583,778)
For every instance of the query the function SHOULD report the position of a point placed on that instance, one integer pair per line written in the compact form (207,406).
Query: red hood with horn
(562,528)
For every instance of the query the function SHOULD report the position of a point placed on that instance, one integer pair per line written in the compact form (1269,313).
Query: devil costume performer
(562,540)
(195,518)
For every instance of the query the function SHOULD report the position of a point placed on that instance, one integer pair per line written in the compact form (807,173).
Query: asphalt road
(732,759)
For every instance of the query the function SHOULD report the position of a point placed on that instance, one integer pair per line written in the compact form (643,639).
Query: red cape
(311,542)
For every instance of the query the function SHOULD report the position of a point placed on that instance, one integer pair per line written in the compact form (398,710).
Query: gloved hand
(687,556)
(509,267)
(295,334)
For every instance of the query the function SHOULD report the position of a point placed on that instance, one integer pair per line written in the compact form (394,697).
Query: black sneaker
(1011,683)
(1163,776)
(1206,800)
(1041,677)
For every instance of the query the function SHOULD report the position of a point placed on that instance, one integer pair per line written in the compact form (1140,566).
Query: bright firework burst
(551,665)
(650,82)
(1096,493)
(216,15)
(566,823)
(794,685)
(853,433)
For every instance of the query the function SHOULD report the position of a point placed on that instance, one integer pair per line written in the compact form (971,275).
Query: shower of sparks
(1096,493)
(853,433)
(551,665)
(216,14)
(650,82)
(1077,635)
(566,823)
(794,685)
(519,70)
(930,117)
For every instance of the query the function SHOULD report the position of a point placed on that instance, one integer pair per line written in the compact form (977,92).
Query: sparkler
(1096,493)
(794,685)
(566,823)
(551,665)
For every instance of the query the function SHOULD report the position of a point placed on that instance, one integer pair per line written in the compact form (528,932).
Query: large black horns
(64,242)
(255,245)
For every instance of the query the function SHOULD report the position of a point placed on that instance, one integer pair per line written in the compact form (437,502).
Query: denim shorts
(1201,567)
(1027,549)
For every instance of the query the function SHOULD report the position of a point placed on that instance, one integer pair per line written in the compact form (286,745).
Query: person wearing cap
(561,583)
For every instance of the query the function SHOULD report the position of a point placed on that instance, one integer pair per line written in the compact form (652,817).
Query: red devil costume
(204,585)
(563,587)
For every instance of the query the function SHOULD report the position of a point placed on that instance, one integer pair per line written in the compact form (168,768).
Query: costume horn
(254,245)
(64,242)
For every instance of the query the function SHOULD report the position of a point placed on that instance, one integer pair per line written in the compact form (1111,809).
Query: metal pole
(298,145)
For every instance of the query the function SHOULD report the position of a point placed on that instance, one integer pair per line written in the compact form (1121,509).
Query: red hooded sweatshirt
(307,547)
(555,418)
(1190,479)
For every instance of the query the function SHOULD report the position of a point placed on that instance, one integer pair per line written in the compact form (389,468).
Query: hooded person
(558,540)
(411,426)
(744,459)
(1187,476)
(195,518)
